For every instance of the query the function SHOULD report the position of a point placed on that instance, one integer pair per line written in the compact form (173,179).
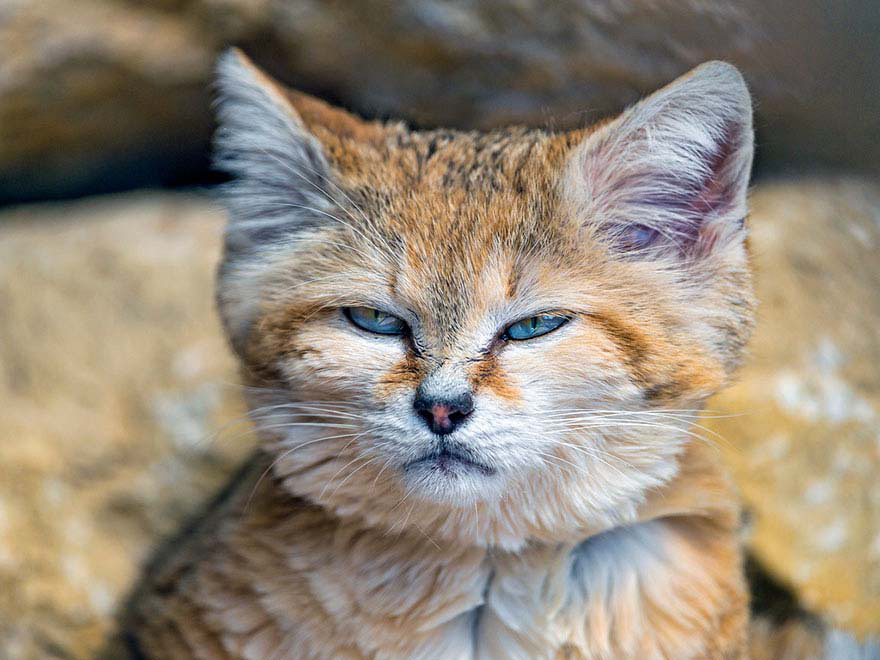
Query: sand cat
(474,361)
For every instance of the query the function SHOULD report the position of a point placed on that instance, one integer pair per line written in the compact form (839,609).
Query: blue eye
(373,320)
(535,326)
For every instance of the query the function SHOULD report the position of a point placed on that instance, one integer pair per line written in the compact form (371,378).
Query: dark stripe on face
(666,380)
(487,375)
(407,373)
(630,342)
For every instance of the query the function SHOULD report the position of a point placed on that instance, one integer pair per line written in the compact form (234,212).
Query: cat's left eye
(376,321)
(535,326)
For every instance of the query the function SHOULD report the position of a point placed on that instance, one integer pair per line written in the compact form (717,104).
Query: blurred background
(119,409)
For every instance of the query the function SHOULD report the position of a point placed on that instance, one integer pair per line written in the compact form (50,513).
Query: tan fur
(604,539)
(268,575)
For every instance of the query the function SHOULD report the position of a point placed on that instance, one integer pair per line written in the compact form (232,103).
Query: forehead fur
(444,210)
(449,188)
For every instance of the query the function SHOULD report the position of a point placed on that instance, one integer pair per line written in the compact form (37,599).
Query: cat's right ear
(279,173)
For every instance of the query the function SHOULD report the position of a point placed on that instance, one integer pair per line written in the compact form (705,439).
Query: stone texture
(96,94)
(118,402)
(804,443)
(115,386)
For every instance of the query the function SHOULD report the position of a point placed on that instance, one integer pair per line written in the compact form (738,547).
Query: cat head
(492,336)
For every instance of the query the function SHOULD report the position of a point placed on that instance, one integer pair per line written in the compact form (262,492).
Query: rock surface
(97,94)
(804,443)
(118,403)
(115,386)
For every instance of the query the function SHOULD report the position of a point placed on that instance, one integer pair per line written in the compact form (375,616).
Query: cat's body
(267,575)
(502,461)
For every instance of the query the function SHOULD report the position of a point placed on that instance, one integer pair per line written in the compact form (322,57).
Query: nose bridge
(446,378)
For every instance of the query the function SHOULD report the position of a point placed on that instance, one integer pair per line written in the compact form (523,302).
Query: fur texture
(583,516)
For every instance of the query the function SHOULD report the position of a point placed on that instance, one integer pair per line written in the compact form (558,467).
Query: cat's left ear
(670,174)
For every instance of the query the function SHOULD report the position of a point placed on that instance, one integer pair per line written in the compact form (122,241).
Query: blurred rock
(118,403)
(100,94)
(804,441)
(115,386)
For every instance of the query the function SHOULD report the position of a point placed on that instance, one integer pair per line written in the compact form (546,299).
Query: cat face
(443,327)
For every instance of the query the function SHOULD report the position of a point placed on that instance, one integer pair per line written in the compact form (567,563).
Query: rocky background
(100,94)
(119,409)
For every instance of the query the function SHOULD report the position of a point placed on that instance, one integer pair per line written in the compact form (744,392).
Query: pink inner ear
(680,205)
(720,185)
(670,174)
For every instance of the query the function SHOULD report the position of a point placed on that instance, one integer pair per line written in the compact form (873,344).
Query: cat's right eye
(375,321)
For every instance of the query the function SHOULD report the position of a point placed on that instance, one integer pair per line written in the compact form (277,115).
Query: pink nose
(444,415)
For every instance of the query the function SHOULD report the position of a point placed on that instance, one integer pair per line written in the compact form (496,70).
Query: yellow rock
(115,385)
(805,444)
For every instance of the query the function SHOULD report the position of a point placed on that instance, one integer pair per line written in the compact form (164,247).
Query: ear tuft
(671,172)
(278,168)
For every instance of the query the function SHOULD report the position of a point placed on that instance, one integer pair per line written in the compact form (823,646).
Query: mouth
(449,461)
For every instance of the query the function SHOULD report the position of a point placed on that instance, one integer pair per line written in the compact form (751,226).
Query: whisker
(425,534)
(351,474)
(376,479)
(582,425)
(357,231)
(281,457)
(291,408)
(339,471)
(586,451)
(391,529)
(328,425)
(409,513)
(326,194)
(558,458)
(312,281)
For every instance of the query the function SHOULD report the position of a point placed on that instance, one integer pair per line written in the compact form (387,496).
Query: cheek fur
(488,376)
(406,374)
(569,372)
(316,353)
(642,354)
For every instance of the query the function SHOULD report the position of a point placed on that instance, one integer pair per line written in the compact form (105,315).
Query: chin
(452,480)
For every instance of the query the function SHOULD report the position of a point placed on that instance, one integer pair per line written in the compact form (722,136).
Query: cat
(475,362)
